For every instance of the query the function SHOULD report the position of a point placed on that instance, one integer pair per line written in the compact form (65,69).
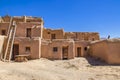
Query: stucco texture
(107,50)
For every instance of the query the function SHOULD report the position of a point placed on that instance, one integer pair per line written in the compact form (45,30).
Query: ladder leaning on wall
(10,40)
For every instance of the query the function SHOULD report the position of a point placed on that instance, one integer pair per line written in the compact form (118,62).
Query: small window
(86,39)
(55,49)
(28,21)
(27,49)
(53,36)
(48,32)
(93,39)
(3,32)
(85,48)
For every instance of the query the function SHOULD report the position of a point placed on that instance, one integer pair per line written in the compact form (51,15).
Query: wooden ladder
(10,41)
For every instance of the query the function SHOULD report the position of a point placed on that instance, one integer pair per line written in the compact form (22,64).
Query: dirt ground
(74,69)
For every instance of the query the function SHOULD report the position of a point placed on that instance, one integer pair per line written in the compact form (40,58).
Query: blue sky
(101,16)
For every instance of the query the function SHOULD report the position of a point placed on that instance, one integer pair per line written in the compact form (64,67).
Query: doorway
(15,51)
(79,52)
(3,32)
(65,53)
(28,32)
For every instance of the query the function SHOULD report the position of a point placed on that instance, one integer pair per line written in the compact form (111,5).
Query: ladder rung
(11,36)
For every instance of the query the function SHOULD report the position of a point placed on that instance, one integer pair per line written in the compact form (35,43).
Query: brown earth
(74,69)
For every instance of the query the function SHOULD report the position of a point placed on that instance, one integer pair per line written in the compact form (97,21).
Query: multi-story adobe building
(26,35)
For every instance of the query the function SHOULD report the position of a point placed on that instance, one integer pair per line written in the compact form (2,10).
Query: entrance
(28,31)
(65,52)
(15,50)
(3,32)
(78,51)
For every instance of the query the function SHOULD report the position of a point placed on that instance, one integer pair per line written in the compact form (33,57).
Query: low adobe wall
(47,33)
(114,51)
(107,50)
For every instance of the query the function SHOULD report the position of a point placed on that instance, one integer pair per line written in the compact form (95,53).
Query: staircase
(10,40)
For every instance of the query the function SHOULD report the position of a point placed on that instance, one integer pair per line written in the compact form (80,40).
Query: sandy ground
(74,69)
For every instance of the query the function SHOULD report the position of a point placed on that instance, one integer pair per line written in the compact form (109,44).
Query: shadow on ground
(98,62)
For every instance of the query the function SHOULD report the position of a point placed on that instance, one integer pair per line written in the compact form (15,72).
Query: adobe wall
(6,18)
(70,35)
(85,36)
(26,19)
(107,50)
(4,26)
(99,50)
(33,43)
(2,43)
(59,33)
(47,49)
(24,22)
(33,19)
(82,45)
(19,19)
(35,29)
(113,51)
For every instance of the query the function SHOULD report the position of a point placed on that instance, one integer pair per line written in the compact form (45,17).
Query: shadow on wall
(98,62)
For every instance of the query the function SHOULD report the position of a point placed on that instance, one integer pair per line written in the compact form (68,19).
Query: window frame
(55,49)
(53,36)
(28,49)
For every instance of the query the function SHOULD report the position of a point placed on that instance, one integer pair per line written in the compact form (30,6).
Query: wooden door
(15,51)
(65,52)
(78,51)
(28,32)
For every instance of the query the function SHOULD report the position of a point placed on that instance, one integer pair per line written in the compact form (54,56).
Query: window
(27,49)
(28,32)
(85,48)
(53,36)
(55,49)
(48,32)
(93,39)
(3,32)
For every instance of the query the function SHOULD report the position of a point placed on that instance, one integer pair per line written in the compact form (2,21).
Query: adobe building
(58,49)
(66,45)
(26,35)
(107,50)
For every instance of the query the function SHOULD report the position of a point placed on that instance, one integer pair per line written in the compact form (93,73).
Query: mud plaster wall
(47,49)
(35,29)
(86,36)
(2,42)
(59,34)
(113,52)
(6,18)
(99,50)
(4,26)
(34,44)
(82,45)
